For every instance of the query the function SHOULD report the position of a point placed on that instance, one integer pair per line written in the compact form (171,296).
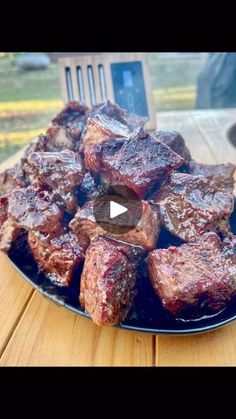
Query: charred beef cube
(72,120)
(9,232)
(62,137)
(113,111)
(108,279)
(145,233)
(196,278)
(222,175)
(134,121)
(59,139)
(61,171)
(140,163)
(40,144)
(33,209)
(93,157)
(12,178)
(99,128)
(175,141)
(58,256)
(191,205)
(73,111)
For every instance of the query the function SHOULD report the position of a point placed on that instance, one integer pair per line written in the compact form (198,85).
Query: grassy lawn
(29,100)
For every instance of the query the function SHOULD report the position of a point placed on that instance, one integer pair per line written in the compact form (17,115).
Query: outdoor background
(29,99)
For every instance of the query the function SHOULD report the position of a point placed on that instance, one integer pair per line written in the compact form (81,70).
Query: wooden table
(34,331)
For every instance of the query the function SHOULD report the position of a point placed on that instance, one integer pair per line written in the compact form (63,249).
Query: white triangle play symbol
(116,209)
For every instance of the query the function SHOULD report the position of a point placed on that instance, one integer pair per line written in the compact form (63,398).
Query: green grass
(29,100)
(18,85)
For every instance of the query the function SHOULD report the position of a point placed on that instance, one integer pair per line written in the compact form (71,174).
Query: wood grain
(106,59)
(14,296)
(214,349)
(49,335)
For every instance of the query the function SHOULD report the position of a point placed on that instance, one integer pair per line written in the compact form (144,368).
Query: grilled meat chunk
(9,232)
(58,256)
(145,233)
(195,278)
(108,279)
(12,178)
(59,139)
(73,119)
(93,157)
(175,141)
(139,164)
(99,128)
(190,206)
(222,175)
(40,144)
(61,171)
(55,140)
(33,209)
(113,111)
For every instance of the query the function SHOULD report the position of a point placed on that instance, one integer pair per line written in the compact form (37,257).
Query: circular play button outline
(116,209)
(119,210)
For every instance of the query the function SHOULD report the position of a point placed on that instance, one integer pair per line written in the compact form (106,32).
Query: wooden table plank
(14,297)
(215,135)
(206,139)
(214,349)
(185,124)
(49,335)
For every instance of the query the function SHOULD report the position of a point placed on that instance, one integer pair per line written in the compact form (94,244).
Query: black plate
(147,314)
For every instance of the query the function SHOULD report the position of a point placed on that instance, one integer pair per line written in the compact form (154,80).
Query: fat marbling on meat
(108,280)
(191,205)
(138,163)
(222,175)
(195,278)
(58,255)
(33,209)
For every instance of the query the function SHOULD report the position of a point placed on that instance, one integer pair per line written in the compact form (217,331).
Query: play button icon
(119,210)
(116,209)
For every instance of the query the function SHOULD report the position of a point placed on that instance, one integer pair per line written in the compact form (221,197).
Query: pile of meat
(47,199)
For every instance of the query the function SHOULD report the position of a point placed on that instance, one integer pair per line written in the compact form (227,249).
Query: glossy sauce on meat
(108,280)
(58,255)
(191,205)
(200,276)
(33,209)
